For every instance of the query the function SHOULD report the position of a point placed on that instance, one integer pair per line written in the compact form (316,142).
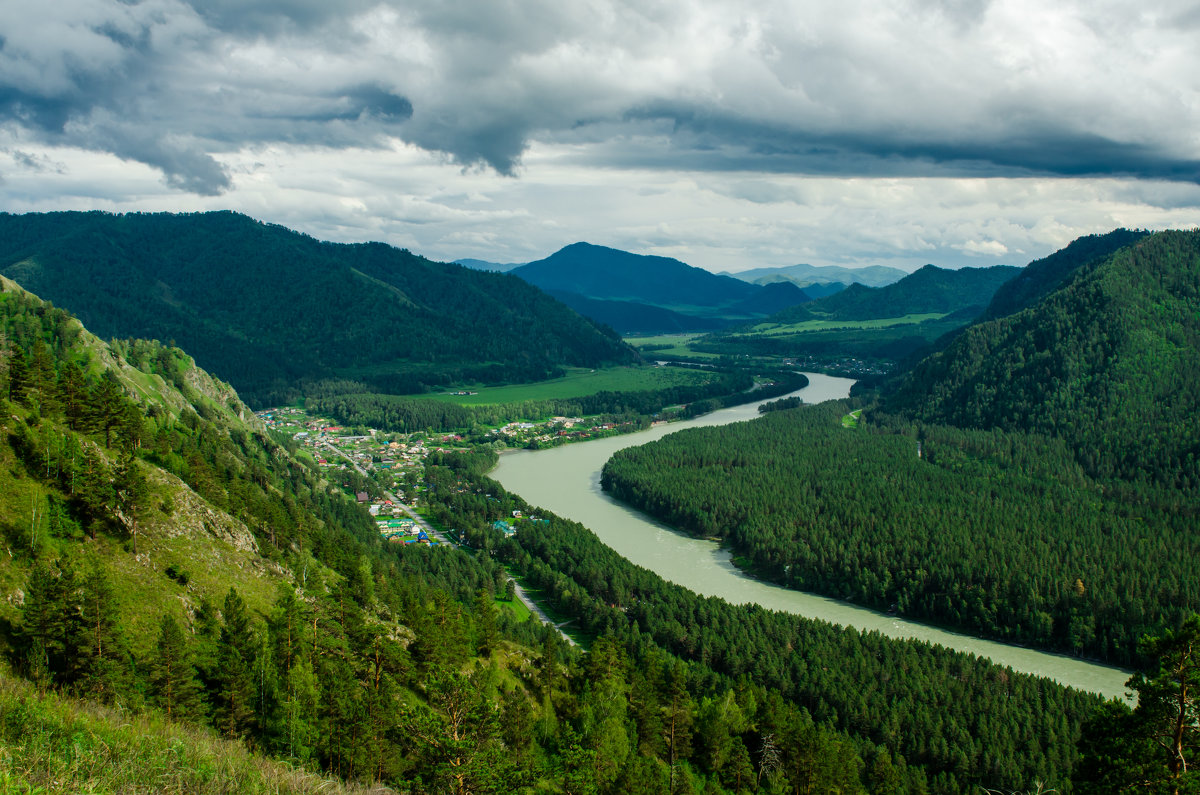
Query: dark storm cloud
(711,141)
(934,87)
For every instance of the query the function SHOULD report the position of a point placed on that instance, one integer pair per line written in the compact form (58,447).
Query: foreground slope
(264,307)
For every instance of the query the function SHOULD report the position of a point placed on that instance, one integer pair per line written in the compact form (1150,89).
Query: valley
(374,538)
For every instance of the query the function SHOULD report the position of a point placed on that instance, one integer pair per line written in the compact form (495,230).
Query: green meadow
(578,382)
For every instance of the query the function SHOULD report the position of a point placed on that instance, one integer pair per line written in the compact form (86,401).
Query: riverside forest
(193,601)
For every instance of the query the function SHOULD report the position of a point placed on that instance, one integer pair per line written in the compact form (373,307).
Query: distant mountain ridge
(651,294)
(929,290)
(267,308)
(803,275)
(608,273)
(484,265)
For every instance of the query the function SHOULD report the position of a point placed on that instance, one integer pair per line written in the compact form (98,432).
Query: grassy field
(678,343)
(770,329)
(851,419)
(578,383)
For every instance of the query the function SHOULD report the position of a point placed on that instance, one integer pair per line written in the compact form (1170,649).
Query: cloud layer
(981,88)
(196,90)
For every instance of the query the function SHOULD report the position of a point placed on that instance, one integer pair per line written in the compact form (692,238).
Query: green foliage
(56,744)
(959,718)
(1155,747)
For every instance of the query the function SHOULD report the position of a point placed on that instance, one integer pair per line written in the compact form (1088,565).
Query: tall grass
(53,744)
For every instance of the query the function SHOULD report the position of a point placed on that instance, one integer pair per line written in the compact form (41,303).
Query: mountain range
(805,275)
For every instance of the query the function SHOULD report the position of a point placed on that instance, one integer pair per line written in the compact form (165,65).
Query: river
(566,480)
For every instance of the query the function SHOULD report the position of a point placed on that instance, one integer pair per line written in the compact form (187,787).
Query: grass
(771,330)
(516,607)
(679,346)
(50,743)
(851,419)
(579,383)
(188,538)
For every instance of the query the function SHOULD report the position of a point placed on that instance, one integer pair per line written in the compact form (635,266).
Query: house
(362,496)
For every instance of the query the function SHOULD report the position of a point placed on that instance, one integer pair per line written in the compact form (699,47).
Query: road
(537,611)
(421,523)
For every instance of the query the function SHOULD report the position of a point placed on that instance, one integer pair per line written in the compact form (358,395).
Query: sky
(728,135)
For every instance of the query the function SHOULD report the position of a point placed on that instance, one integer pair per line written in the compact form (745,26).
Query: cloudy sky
(730,135)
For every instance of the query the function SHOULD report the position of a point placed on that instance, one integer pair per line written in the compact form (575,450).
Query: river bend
(566,480)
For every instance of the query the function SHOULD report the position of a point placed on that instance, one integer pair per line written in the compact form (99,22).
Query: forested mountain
(804,275)
(608,273)
(1108,363)
(772,298)
(484,265)
(1042,277)
(929,290)
(266,308)
(1035,481)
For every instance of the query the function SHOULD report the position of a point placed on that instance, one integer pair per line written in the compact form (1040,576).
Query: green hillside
(267,308)
(1108,363)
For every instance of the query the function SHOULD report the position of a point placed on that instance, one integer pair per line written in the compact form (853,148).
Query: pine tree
(485,623)
(42,625)
(174,686)
(131,491)
(234,680)
(106,668)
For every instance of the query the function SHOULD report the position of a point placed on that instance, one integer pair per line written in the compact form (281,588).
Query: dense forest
(1036,481)
(372,662)
(999,534)
(271,310)
(964,721)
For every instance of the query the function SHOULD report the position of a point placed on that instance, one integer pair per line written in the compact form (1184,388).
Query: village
(386,471)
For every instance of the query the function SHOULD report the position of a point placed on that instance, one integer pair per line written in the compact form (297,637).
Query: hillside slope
(1044,276)
(265,308)
(1108,363)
